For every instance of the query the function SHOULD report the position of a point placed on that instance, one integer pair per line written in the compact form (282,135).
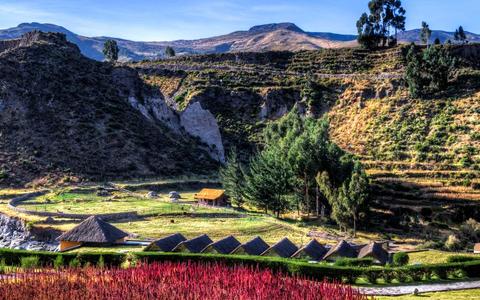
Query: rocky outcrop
(15,233)
(201,123)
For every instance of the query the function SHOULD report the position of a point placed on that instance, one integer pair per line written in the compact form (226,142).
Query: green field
(160,217)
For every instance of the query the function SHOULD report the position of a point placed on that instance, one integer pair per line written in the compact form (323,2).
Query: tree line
(299,169)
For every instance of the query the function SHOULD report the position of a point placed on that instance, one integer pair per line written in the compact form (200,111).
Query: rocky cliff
(15,233)
(66,117)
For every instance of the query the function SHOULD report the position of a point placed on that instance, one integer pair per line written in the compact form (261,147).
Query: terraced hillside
(423,155)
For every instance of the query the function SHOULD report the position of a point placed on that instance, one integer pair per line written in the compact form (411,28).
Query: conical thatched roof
(256,246)
(223,246)
(313,250)
(195,245)
(93,230)
(375,251)
(284,248)
(342,249)
(167,243)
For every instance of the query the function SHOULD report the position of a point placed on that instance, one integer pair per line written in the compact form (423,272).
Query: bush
(461,258)
(453,243)
(400,259)
(74,263)
(29,262)
(58,262)
(3,266)
(401,275)
(354,262)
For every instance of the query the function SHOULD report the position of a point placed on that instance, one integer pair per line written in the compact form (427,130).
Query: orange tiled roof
(209,194)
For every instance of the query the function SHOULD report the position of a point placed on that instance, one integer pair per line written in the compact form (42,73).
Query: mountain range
(269,37)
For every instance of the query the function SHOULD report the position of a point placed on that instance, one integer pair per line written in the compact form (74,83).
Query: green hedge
(287,266)
(14,257)
(461,258)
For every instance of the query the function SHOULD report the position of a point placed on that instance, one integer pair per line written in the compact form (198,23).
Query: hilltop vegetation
(421,154)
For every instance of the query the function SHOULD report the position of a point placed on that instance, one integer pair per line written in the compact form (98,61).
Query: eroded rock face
(14,233)
(157,109)
(201,123)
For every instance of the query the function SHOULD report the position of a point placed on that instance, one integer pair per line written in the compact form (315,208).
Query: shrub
(29,262)
(372,276)
(401,275)
(58,262)
(400,259)
(453,243)
(74,263)
(101,262)
(354,262)
(3,266)
(461,258)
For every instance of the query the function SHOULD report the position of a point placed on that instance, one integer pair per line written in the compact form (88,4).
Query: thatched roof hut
(256,246)
(195,245)
(166,244)
(284,248)
(223,246)
(375,251)
(311,251)
(92,231)
(342,249)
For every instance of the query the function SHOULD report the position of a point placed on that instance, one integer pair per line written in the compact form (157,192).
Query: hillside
(66,117)
(261,38)
(422,155)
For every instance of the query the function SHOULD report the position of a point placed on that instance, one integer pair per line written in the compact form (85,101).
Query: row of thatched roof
(257,246)
(95,230)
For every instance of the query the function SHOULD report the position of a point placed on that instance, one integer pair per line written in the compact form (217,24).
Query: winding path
(423,288)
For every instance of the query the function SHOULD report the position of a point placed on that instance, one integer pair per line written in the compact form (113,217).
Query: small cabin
(341,250)
(256,246)
(212,197)
(312,251)
(223,246)
(476,248)
(195,245)
(284,248)
(166,244)
(376,252)
(91,232)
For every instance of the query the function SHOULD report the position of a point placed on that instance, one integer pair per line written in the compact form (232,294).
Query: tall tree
(110,50)
(374,28)
(232,178)
(169,51)
(425,33)
(428,72)
(460,35)
(268,182)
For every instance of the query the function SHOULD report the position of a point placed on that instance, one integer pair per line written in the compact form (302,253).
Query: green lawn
(90,203)
(473,294)
(433,256)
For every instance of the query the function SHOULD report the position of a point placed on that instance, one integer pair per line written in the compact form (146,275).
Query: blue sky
(188,19)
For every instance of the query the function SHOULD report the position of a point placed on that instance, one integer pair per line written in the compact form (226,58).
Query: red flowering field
(168,281)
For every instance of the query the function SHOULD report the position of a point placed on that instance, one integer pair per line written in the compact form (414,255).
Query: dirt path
(423,288)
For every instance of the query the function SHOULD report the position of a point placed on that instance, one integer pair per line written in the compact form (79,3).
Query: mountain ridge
(267,37)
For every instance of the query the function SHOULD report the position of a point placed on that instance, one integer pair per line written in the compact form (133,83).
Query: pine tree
(426,33)
(169,52)
(232,178)
(110,50)
(460,35)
